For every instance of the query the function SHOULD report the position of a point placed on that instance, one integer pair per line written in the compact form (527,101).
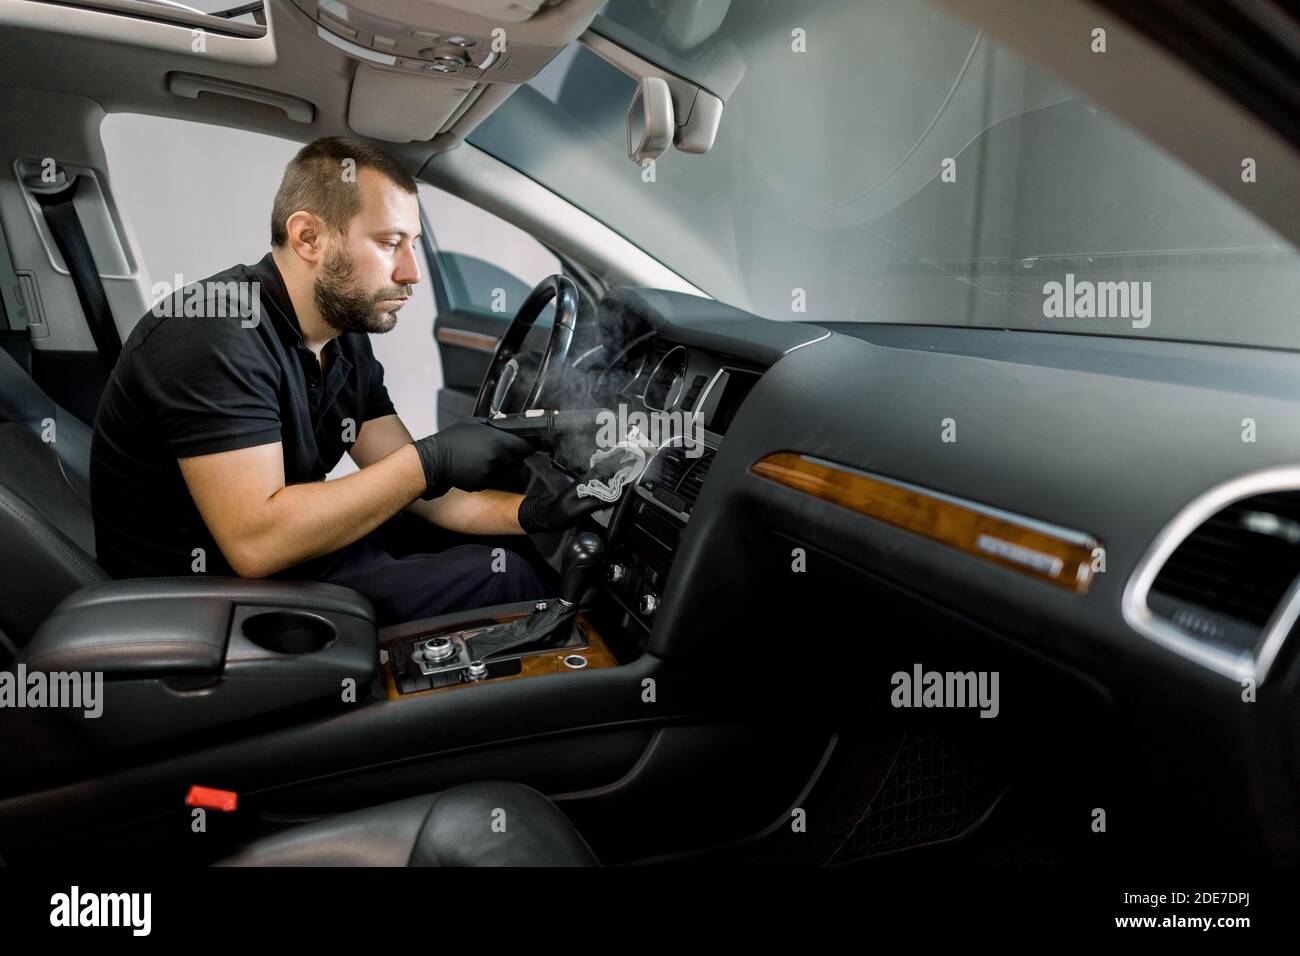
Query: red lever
(223,800)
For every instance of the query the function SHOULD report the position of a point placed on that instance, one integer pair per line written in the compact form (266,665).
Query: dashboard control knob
(437,649)
(616,573)
(477,670)
(649,604)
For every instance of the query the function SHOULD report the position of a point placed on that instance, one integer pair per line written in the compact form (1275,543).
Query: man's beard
(346,307)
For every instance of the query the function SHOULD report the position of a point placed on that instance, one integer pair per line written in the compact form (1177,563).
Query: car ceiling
(123,63)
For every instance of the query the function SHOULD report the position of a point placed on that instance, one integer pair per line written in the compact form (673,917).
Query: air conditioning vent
(692,480)
(1224,582)
(678,475)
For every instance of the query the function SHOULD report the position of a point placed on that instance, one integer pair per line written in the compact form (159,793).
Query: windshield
(883,162)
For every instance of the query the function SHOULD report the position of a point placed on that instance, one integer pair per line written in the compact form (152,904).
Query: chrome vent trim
(1237,665)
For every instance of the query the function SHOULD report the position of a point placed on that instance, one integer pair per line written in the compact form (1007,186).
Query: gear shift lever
(581,556)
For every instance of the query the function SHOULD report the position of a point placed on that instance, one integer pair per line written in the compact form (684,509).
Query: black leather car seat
(474,824)
(47,552)
(47,538)
(24,402)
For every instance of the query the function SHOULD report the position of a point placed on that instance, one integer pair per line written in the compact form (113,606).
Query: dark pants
(410,569)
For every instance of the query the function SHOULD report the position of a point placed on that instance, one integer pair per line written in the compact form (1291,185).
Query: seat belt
(61,217)
(15,337)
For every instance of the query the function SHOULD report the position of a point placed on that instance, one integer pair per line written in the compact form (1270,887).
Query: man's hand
(465,512)
(468,455)
(555,512)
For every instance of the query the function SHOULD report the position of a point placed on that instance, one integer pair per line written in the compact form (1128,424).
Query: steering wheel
(498,390)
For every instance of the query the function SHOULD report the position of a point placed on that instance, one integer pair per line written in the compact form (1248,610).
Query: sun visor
(402,107)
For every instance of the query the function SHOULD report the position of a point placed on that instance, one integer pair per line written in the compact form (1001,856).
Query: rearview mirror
(650,123)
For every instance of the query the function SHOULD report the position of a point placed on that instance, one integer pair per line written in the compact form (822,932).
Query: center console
(498,643)
(428,657)
(649,522)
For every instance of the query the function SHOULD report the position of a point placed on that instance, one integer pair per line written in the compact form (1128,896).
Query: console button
(649,604)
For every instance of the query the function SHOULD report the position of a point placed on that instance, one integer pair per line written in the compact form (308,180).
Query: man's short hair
(321,181)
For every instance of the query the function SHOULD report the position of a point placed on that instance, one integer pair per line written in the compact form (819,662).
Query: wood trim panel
(1058,556)
(596,652)
(478,341)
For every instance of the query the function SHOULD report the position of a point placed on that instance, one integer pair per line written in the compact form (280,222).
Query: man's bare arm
(468,512)
(263,525)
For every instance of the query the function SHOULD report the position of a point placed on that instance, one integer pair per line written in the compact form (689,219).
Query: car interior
(839,250)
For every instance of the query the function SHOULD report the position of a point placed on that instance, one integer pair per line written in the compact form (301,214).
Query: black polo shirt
(206,371)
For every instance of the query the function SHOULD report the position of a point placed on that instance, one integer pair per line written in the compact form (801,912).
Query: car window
(885,162)
(486,264)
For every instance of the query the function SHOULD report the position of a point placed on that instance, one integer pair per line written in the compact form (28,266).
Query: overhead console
(425,64)
(495,42)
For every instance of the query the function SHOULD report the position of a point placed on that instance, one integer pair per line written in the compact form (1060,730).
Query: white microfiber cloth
(610,471)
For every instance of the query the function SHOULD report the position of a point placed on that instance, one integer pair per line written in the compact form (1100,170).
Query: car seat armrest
(180,655)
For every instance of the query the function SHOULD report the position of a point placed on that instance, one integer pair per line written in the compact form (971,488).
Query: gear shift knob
(583,553)
(551,623)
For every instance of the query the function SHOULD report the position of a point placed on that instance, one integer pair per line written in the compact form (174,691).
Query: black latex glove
(555,512)
(468,455)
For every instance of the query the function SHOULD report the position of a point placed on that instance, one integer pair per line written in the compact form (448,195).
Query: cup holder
(289,632)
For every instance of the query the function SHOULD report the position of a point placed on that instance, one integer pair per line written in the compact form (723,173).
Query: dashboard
(1089,473)
(1033,457)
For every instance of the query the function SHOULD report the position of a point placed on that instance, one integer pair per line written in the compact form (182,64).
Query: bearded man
(219,424)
